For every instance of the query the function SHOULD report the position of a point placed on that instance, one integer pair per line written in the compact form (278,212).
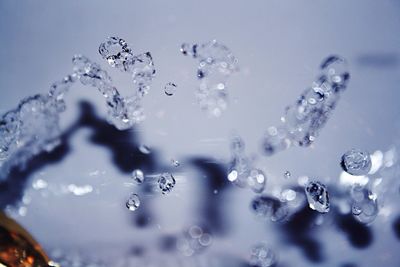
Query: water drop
(133,202)
(170,89)
(356,162)
(138,176)
(166,182)
(317,197)
(287,174)
(175,163)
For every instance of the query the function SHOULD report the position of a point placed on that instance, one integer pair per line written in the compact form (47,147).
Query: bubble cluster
(303,120)
(33,126)
(262,256)
(241,171)
(317,196)
(364,205)
(193,241)
(141,66)
(216,64)
(356,162)
(166,182)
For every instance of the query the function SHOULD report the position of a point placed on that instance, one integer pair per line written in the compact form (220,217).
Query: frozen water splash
(216,64)
(317,197)
(304,119)
(241,171)
(33,126)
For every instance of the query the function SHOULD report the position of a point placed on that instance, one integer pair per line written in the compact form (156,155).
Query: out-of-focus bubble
(266,207)
(175,163)
(262,256)
(193,241)
(257,180)
(356,162)
(317,196)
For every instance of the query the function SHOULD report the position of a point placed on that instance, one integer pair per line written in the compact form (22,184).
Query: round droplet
(170,89)
(138,176)
(205,240)
(356,209)
(175,163)
(262,256)
(356,162)
(287,174)
(257,180)
(166,182)
(133,202)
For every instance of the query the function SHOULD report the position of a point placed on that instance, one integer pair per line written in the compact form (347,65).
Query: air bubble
(262,256)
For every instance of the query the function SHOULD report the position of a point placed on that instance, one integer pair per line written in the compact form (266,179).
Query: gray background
(279,45)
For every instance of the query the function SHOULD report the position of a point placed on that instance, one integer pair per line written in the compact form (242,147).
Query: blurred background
(279,46)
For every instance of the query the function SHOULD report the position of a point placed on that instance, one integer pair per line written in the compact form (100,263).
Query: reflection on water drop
(133,202)
(138,176)
(356,162)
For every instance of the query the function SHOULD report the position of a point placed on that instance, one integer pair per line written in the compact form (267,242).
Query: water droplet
(262,256)
(175,163)
(138,176)
(170,89)
(166,182)
(356,209)
(287,174)
(257,180)
(356,162)
(133,202)
(317,197)
(144,149)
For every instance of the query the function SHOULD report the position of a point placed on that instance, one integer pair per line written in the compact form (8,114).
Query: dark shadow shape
(378,60)
(299,232)
(212,204)
(396,227)
(122,144)
(359,235)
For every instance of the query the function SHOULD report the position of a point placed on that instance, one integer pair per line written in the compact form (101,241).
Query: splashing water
(304,119)
(216,64)
(33,126)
